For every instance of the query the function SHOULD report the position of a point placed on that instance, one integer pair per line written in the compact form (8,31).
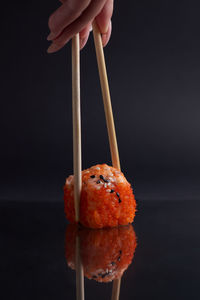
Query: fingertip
(52,48)
(51,36)
(103,27)
(83,41)
(84,35)
(57,45)
(106,37)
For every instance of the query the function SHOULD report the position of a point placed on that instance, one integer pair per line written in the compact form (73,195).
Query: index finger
(69,11)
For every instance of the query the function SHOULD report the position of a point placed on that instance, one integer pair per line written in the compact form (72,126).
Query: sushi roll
(105,253)
(107,198)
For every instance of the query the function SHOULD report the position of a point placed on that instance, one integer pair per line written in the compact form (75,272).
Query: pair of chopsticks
(77,161)
(77,114)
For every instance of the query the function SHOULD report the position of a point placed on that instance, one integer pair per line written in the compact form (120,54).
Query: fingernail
(51,36)
(104,38)
(52,48)
(104,29)
(82,43)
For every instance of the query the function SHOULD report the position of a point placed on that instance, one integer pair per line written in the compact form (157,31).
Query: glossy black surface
(165,265)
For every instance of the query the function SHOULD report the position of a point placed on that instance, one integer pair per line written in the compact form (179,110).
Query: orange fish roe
(107,198)
(105,253)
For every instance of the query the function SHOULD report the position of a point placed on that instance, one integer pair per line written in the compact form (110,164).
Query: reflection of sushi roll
(105,253)
(107,199)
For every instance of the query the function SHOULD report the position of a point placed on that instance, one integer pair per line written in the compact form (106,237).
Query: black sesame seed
(105,274)
(119,200)
(117,194)
(111,191)
(120,251)
(105,180)
(92,176)
(113,263)
(119,258)
(98,181)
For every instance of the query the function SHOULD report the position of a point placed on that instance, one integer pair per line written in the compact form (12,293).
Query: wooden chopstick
(106,96)
(76,111)
(109,120)
(77,163)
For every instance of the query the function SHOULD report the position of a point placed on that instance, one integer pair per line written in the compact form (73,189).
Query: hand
(75,16)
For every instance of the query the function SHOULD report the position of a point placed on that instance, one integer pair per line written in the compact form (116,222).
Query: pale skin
(76,16)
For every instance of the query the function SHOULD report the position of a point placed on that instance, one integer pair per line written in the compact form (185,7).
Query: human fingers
(69,11)
(106,36)
(104,23)
(104,17)
(87,16)
(84,35)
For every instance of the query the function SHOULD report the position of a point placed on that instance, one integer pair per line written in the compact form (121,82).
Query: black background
(154,70)
(153,62)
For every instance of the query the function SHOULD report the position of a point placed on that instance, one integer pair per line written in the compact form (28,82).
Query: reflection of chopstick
(77,156)
(79,273)
(109,120)
(76,122)
(116,289)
